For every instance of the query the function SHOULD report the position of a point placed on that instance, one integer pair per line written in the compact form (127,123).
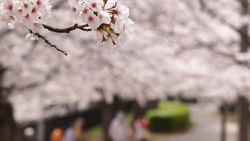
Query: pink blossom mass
(169,54)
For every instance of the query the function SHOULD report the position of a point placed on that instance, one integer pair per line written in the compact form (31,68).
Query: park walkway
(206,127)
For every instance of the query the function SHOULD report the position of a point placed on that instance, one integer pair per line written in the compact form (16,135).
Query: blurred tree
(224,120)
(242,30)
(189,47)
(243,101)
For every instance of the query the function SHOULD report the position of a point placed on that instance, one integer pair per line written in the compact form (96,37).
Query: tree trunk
(243,102)
(108,113)
(243,118)
(8,127)
(223,121)
(41,122)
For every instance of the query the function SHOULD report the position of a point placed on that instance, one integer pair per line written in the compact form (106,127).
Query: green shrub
(191,100)
(168,116)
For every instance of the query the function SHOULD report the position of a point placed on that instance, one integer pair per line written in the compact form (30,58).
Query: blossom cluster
(109,18)
(25,14)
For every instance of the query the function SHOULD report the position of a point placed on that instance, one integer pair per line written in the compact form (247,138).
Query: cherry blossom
(109,18)
(75,7)
(167,57)
(100,16)
(25,14)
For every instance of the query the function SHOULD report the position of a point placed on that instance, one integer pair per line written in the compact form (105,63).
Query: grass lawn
(94,134)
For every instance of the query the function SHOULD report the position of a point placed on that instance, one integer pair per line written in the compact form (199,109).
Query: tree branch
(68,29)
(60,30)
(49,43)
(242,31)
(213,14)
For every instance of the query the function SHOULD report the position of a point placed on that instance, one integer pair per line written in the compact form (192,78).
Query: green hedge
(168,116)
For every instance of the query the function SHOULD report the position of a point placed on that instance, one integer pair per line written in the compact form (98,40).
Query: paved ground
(206,127)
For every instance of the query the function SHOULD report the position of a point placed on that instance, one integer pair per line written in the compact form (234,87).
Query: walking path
(206,127)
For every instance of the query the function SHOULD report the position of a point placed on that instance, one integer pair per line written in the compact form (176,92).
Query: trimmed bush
(168,116)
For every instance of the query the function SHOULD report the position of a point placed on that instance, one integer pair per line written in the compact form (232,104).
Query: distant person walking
(29,134)
(119,128)
(78,129)
(141,126)
(57,134)
(69,134)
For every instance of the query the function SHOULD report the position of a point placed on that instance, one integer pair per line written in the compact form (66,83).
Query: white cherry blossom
(110,4)
(76,7)
(121,11)
(95,5)
(104,17)
(108,17)
(26,14)
(93,20)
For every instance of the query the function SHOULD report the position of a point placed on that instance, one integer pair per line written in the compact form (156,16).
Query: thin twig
(68,29)
(60,30)
(49,43)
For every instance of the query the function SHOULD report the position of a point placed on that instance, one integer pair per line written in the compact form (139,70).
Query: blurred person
(78,129)
(140,129)
(119,128)
(57,134)
(69,134)
(29,134)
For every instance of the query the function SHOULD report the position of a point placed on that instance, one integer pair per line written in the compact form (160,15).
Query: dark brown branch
(60,30)
(67,30)
(49,43)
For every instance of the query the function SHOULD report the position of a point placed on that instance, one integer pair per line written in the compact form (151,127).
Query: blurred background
(185,75)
